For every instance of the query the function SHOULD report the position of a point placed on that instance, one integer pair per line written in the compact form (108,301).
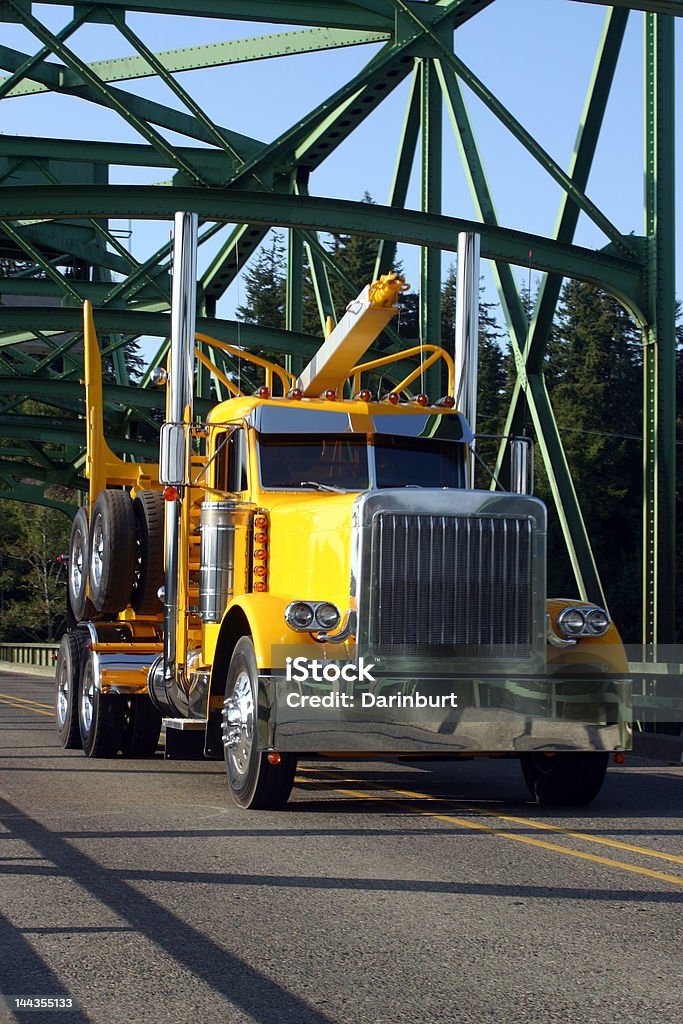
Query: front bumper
(446,714)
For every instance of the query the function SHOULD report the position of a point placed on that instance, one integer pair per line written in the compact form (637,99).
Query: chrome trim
(179,403)
(314,625)
(444,506)
(348,629)
(585,610)
(467,328)
(553,639)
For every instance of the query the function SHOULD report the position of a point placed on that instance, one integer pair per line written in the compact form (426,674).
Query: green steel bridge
(65,198)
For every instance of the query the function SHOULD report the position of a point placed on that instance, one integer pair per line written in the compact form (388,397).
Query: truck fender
(262,617)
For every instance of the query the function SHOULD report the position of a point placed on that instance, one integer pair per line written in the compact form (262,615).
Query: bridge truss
(64,197)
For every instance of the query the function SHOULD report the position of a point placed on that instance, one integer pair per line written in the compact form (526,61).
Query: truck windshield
(314,461)
(418,461)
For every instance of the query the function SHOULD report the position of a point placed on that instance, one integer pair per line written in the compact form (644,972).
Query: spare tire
(148,508)
(78,603)
(113,552)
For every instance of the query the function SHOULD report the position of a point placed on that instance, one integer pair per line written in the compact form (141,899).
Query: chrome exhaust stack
(467,330)
(174,448)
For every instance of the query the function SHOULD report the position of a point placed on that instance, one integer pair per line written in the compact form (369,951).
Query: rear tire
(254,783)
(100,716)
(66,688)
(565,779)
(79,605)
(148,509)
(113,554)
(142,728)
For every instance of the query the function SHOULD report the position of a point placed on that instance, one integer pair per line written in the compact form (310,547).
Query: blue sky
(535,55)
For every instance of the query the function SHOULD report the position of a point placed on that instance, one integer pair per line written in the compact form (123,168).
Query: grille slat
(457,583)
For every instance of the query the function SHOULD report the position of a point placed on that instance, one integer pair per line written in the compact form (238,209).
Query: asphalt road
(385,893)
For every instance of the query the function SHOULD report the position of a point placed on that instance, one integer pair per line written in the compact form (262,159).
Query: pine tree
(595,385)
(354,256)
(265,286)
(33,594)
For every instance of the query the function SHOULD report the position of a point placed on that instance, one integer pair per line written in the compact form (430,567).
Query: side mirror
(521,465)
(172,455)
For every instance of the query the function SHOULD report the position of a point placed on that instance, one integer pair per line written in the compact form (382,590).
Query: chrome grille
(460,584)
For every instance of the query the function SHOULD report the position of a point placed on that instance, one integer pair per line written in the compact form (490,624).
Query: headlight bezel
(317,613)
(585,624)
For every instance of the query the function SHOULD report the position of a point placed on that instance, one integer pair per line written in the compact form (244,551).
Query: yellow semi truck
(310,573)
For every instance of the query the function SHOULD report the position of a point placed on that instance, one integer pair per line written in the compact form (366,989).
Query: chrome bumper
(462,715)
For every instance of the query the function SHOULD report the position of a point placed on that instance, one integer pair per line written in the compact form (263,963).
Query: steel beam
(659,350)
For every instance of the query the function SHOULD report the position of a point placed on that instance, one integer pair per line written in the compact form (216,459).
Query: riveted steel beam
(620,276)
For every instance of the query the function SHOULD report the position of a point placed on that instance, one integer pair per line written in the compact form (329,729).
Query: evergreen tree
(265,285)
(492,383)
(354,256)
(33,582)
(595,385)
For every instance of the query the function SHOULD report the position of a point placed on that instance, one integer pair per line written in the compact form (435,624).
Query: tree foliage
(32,580)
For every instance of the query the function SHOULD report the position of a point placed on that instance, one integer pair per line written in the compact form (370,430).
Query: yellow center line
(26,705)
(629,847)
(506,834)
(25,700)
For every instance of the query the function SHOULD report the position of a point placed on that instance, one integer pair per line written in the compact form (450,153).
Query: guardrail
(657,690)
(42,655)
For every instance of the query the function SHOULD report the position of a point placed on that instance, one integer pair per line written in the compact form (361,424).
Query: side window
(231,462)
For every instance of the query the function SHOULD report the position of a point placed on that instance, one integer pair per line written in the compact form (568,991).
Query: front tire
(66,688)
(565,779)
(254,783)
(100,716)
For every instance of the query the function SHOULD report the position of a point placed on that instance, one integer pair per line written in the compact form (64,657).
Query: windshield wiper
(321,487)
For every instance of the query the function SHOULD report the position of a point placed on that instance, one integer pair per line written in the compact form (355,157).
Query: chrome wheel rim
(87,698)
(239,714)
(76,565)
(97,553)
(63,689)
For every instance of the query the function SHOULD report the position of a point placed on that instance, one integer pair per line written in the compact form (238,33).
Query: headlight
(598,621)
(299,615)
(327,616)
(591,621)
(571,622)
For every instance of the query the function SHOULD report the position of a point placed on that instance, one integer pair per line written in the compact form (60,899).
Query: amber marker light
(260,521)
(170,493)
(259,570)
(260,587)
(274,757)
(261,538)
(260,553)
